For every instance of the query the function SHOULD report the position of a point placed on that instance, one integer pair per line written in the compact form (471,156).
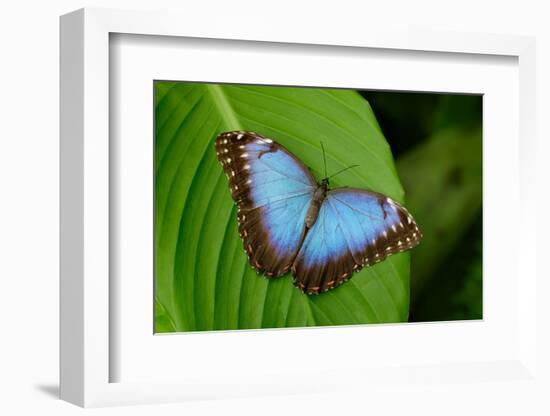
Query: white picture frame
(87,356)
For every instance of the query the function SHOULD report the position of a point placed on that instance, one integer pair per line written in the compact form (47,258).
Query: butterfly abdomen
(313,211)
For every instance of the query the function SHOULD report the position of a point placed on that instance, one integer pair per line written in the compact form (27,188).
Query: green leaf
(202,279)
(163,321)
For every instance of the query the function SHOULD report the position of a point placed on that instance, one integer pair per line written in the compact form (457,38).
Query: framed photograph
(263,213)
(272,217)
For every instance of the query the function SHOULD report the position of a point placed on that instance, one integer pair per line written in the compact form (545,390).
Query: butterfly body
(290,222)
(319,196)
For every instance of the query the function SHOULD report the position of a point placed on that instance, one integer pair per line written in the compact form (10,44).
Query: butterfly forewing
(355,228)
(272,190)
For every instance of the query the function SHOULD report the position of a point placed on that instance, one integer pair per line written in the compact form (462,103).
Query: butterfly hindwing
(272,190)
(355,228)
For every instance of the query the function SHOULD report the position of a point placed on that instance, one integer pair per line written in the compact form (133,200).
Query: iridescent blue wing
(272,190)
(355,228)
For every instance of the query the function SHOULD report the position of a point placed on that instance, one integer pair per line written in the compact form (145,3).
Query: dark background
(436,140)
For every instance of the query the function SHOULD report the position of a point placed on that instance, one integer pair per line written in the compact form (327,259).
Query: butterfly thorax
(319,196)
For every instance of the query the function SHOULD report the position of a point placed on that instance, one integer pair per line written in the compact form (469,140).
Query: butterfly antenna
(343,170)
(324,158)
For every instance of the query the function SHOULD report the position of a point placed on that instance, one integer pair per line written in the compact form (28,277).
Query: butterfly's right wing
(355,228)
(273,191)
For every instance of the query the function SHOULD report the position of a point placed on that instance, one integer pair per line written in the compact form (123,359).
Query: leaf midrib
(228,114)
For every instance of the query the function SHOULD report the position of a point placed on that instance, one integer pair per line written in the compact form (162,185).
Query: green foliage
(202,278)
(455,290)
(442,176)
(467,300)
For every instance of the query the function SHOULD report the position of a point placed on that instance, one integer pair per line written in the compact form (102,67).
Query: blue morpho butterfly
(288,221)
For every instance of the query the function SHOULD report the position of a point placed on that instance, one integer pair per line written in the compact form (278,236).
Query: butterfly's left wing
(355,228)
(272,190)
